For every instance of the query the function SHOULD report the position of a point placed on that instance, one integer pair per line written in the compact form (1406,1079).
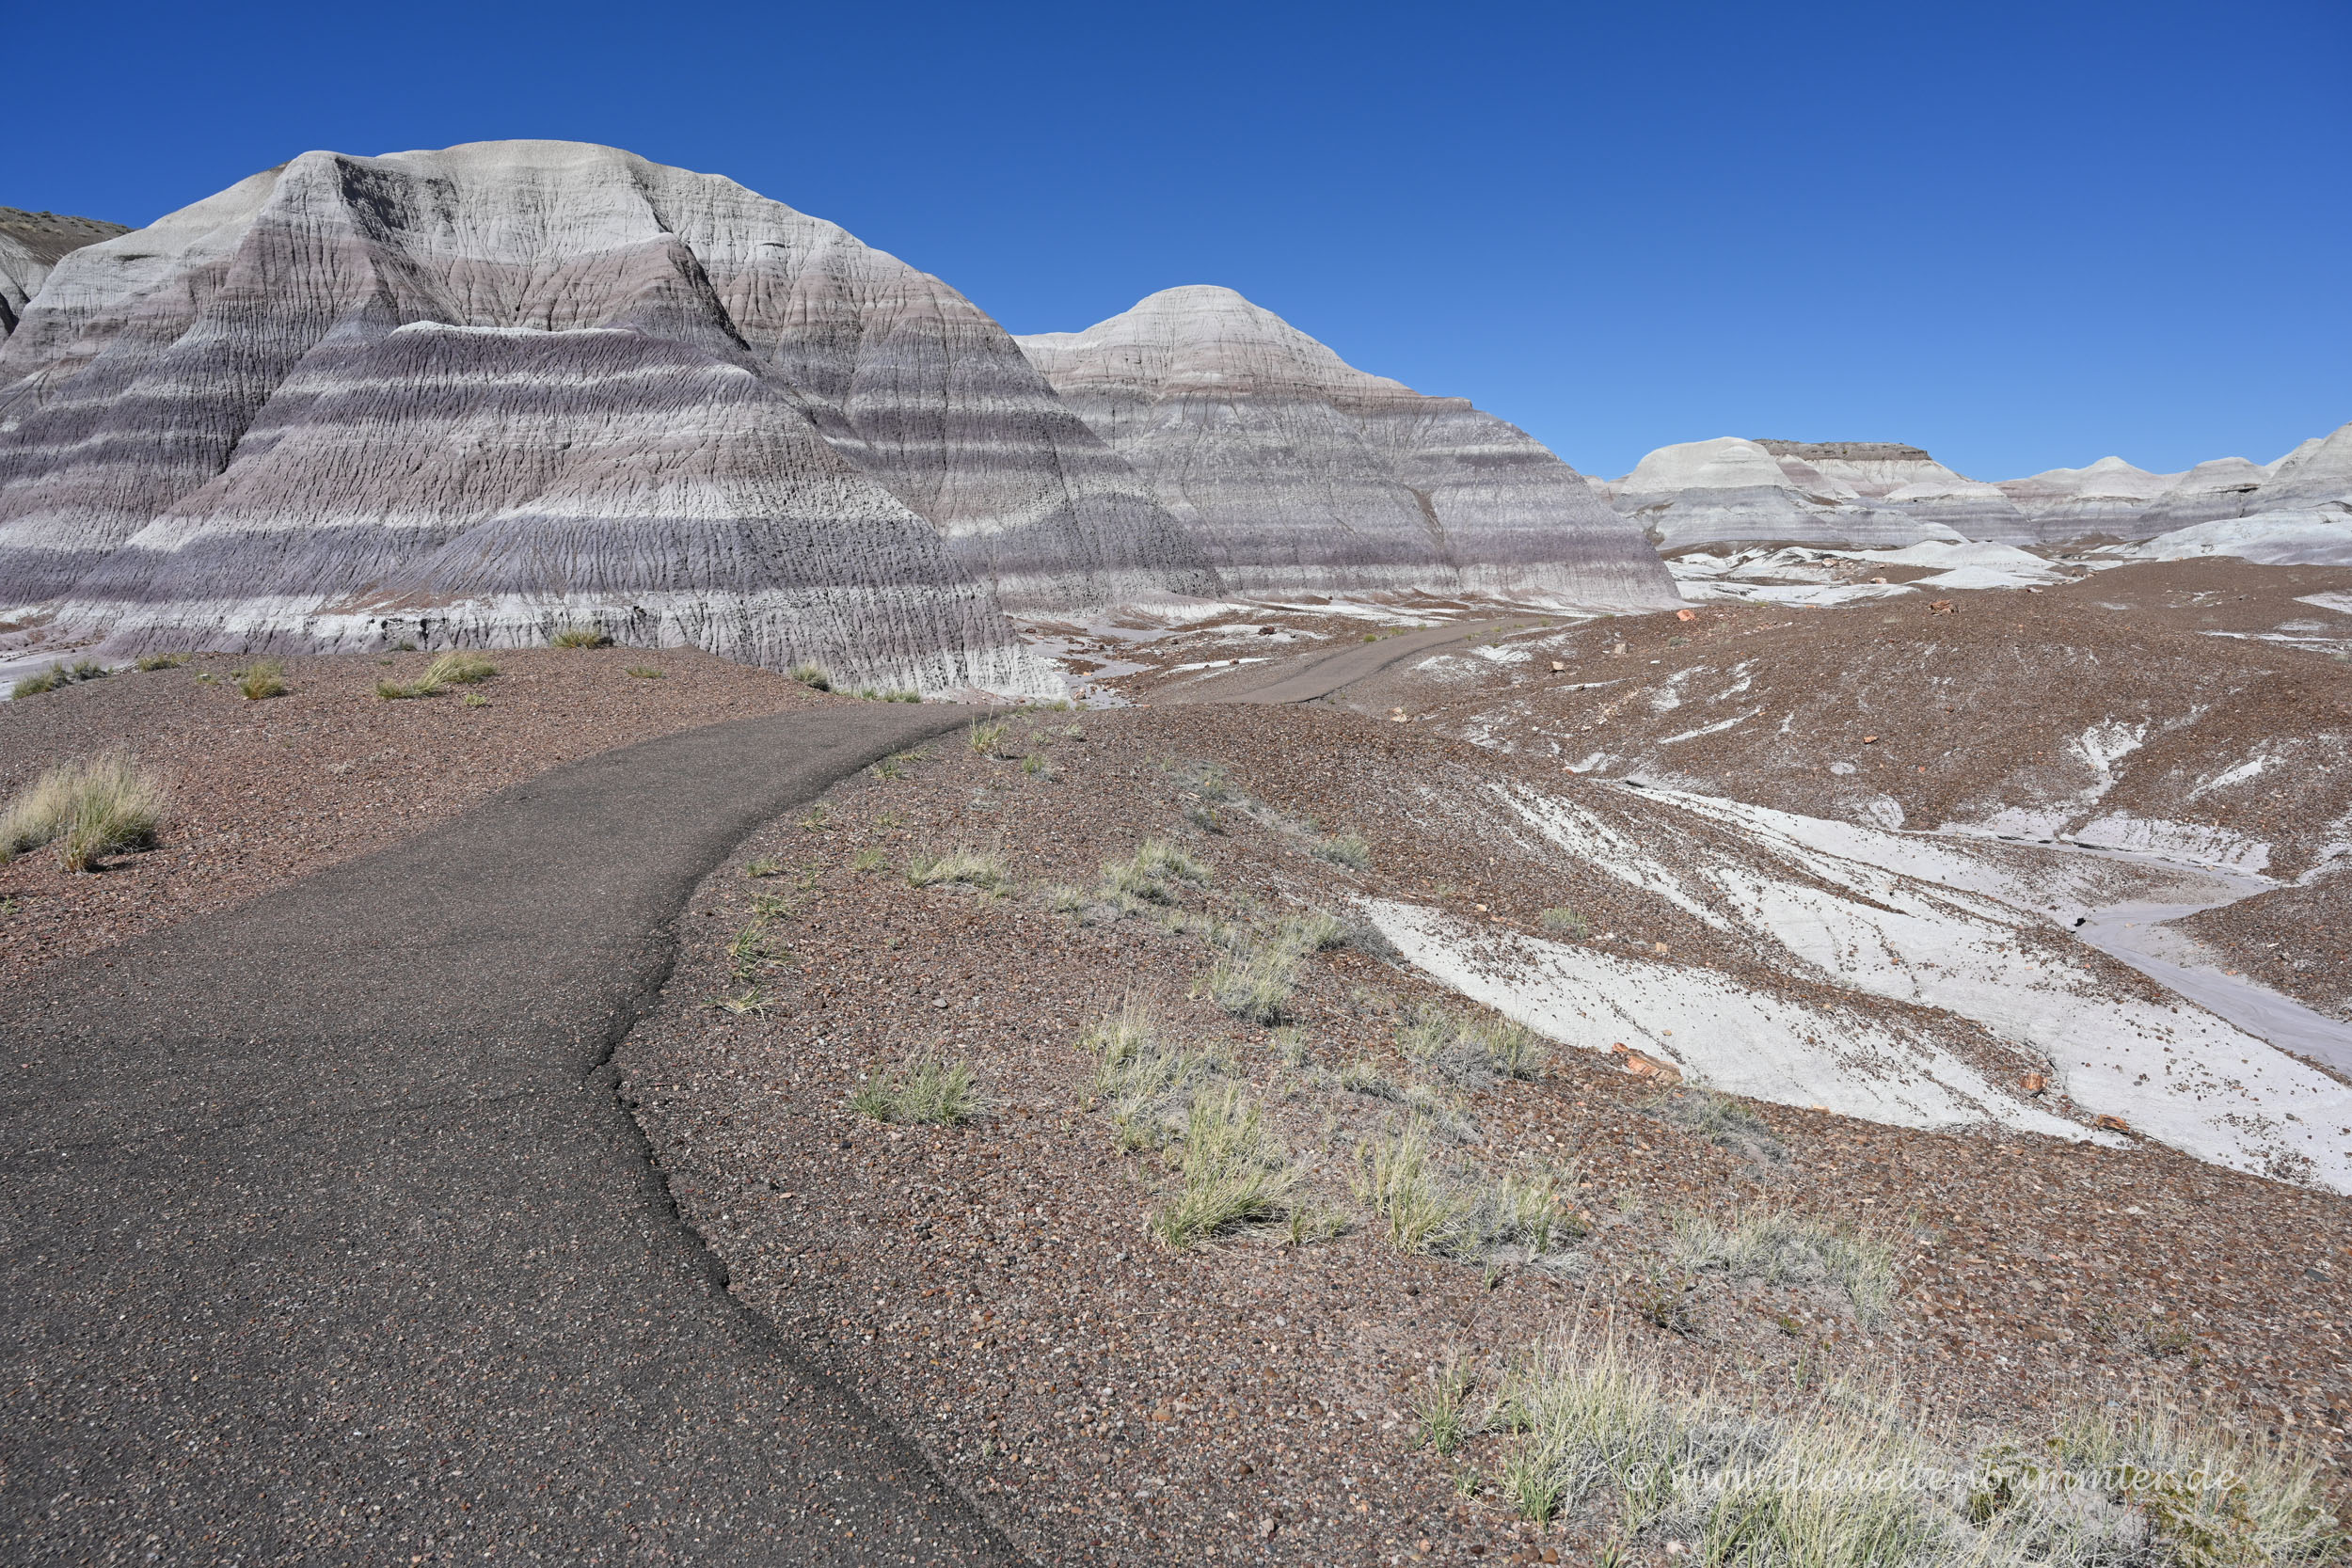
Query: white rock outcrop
(31,244)
(1729,490)
(514,383)
(2299,515)
(2108,498)
(1301,474)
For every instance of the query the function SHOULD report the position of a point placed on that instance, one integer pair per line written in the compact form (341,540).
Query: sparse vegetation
(868,859)
(928,1090)
(1235,1173)
(958,865)
(1720,1121)
(1347,849)
(983,736)
(579,637)
(263,678)
(460,667)
(1855,1481)
(1149,871)
(1443,1409)
(162,662)
(766,867)
(474,699)
(814,676)
(645,671)
(1776,1245)
(89,808)
(57,676)
(1564,922)
(1471,1048)
(1255,984)
(1413,1211)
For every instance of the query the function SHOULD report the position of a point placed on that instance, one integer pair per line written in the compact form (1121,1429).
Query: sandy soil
(1110,1400)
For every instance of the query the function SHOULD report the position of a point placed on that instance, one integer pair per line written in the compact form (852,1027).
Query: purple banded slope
(1302,474)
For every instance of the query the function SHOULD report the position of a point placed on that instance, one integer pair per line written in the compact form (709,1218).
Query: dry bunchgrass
(579,637)
(814,676)
(1860,1481)
(263,678)
(957,865)
(928,1089)
(1773,1244)
(89,808)
(1235,1173)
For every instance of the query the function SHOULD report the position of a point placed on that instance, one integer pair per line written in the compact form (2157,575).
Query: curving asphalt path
(327,1240)
(1309,677)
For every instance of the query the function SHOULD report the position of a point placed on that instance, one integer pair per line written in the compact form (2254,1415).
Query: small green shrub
(579,637)
(263,678)
(89,808)
(474,699)
(814,676)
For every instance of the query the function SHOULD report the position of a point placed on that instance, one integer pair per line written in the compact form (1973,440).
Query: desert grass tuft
(1150,871)
(1411,1206)
(814,676)
(1347,849)
(459,667)
(958,865)
(984,734)
(645,673)
(1566,923)
(1856,1481)
(579,637)
(928,1089)
(1236,1174)
(1442,1408)
(261,679)
(162,662)
(89,808)
(1776,1245)
(1255,984)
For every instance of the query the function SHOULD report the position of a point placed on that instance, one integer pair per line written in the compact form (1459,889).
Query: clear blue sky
(2019,235)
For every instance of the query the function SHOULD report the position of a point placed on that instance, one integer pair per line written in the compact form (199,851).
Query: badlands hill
(1302,474)
(2299,507)
(478,393)
(31,244)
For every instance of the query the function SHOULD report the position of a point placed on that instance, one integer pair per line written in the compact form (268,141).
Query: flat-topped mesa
(31,244)
(666,403)
(1301,474)
(1732,491)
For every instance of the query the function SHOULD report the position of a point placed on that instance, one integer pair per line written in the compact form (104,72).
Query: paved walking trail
(325,1240)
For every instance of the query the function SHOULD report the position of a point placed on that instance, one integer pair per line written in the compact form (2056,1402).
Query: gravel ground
(264,792)
(994,1284)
